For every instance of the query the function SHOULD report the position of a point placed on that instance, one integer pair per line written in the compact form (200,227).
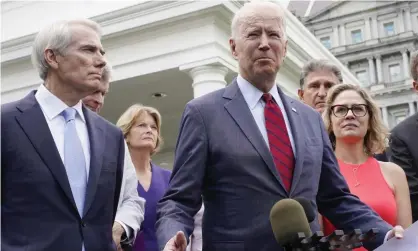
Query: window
(389,29)
(363,77)
(326,41)
(356,36)
(395,72)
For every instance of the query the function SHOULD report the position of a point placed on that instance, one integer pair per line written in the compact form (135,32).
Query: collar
(252,95)
(52,106)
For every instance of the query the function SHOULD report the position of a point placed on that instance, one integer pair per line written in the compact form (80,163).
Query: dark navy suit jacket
(404,152)
(37,207)
(222,155)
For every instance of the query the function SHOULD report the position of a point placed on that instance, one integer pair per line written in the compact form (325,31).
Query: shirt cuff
(387,236)
(127,232)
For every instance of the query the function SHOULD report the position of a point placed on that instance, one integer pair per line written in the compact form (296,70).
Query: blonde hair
(375,140)
(130,116)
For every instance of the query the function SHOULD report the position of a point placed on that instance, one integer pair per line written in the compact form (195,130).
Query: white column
(385,115)
(401,25)
(371,71)
(411,108)
(335,42)
(379,69)
(375,29)
(405,64)
(207,78)
(408,24)
(342,35)
(367,28)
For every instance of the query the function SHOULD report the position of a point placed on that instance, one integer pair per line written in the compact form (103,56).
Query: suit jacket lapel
(298,136)
(245,121)
(96,133)
(33,123)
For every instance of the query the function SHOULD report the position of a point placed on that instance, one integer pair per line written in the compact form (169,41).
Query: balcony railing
(395,83)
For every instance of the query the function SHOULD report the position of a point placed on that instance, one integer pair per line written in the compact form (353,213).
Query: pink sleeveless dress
(367,182)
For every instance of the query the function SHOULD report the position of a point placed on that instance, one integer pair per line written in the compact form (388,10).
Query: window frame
(390,73)
(329,41)
(393,27)
(361,35)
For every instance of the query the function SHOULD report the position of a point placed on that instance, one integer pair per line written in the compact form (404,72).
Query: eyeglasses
(340,111)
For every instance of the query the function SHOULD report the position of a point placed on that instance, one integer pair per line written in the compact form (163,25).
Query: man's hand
(177,243)
(397,232)
(117,231)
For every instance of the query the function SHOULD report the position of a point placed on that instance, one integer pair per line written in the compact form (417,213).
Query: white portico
(164,53)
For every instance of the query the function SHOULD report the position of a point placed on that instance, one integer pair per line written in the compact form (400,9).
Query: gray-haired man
(316,78)
(62,164)
(228,142)
(131,207)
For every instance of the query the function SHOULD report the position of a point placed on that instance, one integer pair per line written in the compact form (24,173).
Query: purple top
(146,239)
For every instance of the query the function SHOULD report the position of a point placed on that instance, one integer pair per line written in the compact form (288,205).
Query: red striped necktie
(279,141)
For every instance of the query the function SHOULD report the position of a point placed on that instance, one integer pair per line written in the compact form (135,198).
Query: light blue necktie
(74,161)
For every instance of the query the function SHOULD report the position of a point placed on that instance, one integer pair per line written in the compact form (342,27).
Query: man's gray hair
(319,65)
(56,37)
(240,14)
(414,65)
(107,73)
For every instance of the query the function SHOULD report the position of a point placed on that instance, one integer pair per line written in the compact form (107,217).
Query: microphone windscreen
(288,218)
(307,206)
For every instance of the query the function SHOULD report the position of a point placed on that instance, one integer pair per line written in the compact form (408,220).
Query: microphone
(289,223)
(307,206)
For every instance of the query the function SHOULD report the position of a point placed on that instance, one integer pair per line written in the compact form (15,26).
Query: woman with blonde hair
(357,132)
(141,127)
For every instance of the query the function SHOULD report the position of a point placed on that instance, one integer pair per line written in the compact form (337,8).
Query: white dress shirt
(196,239)
(131,207)
(52,107)
(253,98)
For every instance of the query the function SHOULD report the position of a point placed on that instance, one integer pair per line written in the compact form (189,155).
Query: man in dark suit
(61,163)
(404,144)
(131,207)
(245,147)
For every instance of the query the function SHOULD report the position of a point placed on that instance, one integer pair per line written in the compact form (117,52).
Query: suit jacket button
(83,224)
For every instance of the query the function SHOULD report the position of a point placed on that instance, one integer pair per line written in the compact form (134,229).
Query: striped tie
(279,141)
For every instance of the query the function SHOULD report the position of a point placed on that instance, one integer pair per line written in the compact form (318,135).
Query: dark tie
(279,141)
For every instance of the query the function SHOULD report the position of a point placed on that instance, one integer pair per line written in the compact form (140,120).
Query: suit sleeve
(183,199)
(335,202)
(130,212)
(401,156)
(119,175)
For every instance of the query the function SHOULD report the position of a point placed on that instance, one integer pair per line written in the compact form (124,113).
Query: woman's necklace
(355,169)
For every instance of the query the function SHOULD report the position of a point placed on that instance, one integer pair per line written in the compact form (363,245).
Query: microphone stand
(337,240)
(295,244)
(289,248)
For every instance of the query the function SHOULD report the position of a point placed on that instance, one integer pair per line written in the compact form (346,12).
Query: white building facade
(374,39)
(164,53)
